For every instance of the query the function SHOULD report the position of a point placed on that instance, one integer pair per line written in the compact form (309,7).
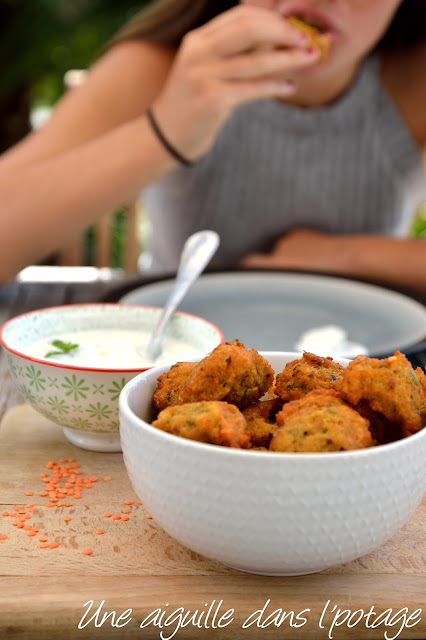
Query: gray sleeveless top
(342,168)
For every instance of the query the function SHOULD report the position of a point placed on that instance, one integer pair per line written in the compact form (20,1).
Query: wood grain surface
(136,565)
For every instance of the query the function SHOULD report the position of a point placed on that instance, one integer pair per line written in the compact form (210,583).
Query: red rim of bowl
(93,304)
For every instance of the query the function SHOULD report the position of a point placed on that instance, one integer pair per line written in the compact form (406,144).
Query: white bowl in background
(265,512)
(83,398)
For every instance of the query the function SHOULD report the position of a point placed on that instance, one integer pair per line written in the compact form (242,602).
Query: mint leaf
(63,348)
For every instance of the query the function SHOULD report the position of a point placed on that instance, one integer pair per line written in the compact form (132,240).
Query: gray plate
(269,311)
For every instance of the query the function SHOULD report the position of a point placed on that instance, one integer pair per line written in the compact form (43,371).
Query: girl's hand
(399,262)
(308,250)
(244,54)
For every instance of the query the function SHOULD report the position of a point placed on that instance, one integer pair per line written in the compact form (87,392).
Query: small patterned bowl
(84,399)
(264,512)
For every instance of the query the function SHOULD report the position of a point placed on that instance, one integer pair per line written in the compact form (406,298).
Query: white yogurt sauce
(112,349)
(329,340)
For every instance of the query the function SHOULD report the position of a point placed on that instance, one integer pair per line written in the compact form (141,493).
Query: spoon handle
(196,254)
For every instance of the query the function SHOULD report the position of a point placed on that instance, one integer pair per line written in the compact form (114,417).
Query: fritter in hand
(261,421)
(319,422)
(212,422)
(169,385)
(317,39)
(389,386)
(306,374)
(230,373)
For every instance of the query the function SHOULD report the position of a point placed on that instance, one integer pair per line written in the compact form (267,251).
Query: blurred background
(41,41)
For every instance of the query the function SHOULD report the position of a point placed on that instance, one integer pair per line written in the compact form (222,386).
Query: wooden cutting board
(136,566)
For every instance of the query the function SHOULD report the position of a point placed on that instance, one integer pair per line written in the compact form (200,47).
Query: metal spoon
(196,254)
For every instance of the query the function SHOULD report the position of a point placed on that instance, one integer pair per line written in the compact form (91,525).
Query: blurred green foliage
(118,238)
(418,224)
(42,39)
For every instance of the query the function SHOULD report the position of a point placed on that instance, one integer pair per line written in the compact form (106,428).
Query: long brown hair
(167,21)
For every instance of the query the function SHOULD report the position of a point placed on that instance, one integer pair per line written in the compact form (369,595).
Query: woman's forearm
(45,204)
(400,262)
(397,262)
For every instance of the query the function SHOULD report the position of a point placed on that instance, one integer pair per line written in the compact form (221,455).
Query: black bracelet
(166,144)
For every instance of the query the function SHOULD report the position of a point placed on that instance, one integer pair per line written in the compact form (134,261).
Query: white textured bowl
(269,513)
(84,399)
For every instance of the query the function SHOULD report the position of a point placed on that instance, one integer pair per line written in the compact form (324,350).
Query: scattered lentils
(69,470)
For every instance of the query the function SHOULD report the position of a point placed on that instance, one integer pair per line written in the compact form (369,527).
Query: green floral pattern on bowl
(83,398)
(78,401)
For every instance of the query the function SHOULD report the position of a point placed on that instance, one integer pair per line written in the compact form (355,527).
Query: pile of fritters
(231,398)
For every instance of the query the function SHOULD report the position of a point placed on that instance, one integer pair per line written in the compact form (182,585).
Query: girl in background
(228,118)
